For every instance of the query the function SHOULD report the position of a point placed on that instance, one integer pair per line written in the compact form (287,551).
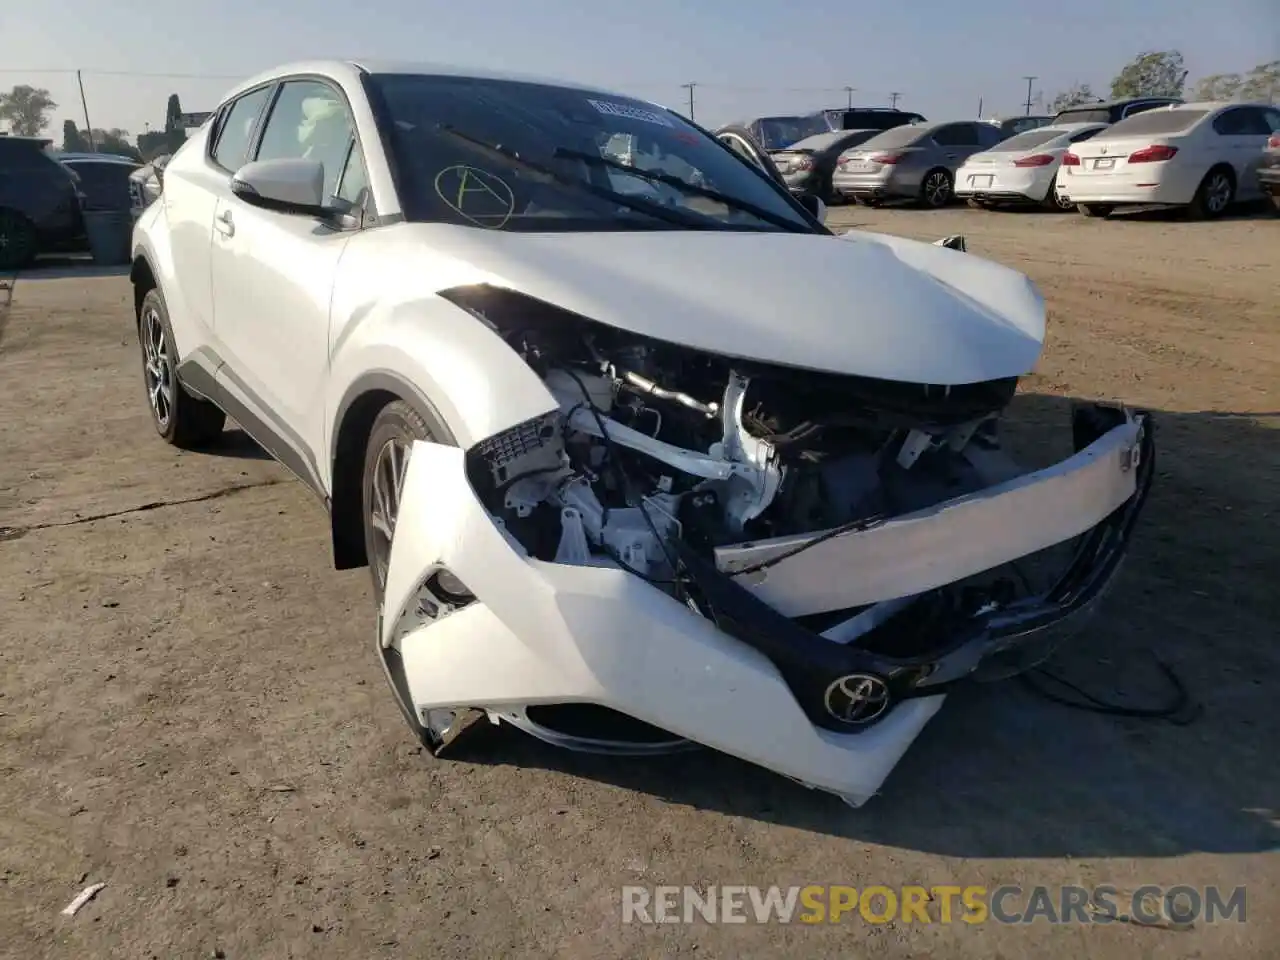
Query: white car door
(193,182)
(273,274)
(1242,134)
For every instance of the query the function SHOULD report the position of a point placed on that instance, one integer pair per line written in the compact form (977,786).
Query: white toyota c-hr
(640,456)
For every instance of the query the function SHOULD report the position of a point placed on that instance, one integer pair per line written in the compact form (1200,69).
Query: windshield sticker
(625,110)
(478,195)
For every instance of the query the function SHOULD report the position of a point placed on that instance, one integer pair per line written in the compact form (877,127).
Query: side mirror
(286,185)
(815,206)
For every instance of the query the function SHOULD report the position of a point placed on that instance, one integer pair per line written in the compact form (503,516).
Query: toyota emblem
(857,698)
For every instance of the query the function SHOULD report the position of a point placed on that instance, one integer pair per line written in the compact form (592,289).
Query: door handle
(225,224)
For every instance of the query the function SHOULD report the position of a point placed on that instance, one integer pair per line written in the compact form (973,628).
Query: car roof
(1106,104)
(93,158)
(350,70)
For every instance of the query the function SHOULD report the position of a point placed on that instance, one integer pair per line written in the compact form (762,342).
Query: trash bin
(110,235)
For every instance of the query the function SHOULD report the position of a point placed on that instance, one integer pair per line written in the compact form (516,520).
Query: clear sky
(748,58)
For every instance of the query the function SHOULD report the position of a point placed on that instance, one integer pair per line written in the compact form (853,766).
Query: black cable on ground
(1182,709)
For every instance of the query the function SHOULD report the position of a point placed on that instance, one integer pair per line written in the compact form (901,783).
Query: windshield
(518,156)
(778,133)
(1025,141)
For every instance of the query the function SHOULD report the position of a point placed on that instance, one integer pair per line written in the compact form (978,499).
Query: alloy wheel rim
(158,367)
(385,494)
(937,189)
(1219,191)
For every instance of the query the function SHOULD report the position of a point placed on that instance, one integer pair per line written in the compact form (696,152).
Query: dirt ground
(190,710)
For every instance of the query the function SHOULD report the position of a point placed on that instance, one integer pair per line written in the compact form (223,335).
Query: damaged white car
(639,454)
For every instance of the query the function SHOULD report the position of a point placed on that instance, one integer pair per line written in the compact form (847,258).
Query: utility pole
(979,108)
(88,127)
(689,87)
(893,100)
(849,91)
(1030,80)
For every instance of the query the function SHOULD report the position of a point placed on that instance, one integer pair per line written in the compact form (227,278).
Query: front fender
(441,357)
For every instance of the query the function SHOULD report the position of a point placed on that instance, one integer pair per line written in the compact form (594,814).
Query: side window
(309,121)
(956,135)
(1238,122)
(236,128)
(1085,135)
(355,180)
(1272,119)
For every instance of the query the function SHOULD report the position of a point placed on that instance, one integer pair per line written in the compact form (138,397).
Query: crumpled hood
(864,304)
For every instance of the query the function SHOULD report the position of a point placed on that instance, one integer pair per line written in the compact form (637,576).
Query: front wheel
(182,419)
(935,189)
(386,464)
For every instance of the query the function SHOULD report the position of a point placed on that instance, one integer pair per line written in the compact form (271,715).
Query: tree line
(1153,73)
(26,110)
(1160,73)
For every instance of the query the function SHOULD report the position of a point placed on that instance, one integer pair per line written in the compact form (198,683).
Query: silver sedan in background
(917,161)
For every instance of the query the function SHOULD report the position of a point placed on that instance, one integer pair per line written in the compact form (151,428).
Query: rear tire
(1102,210)
(1055,203)
(1216,193)
(936,188)
(17,240)
(181,418)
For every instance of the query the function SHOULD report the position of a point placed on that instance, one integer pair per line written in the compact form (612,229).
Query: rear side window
(236,129)
(1242,122)
(957,135)
(1156,123)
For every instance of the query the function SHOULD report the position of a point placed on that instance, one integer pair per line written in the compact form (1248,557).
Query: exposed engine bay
(658,451)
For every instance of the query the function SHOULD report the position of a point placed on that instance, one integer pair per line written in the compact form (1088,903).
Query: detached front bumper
(747,680)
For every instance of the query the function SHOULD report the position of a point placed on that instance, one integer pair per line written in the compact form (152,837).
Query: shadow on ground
(69,267)
(1002,772)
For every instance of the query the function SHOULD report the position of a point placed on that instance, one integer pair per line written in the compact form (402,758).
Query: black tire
(1214,196)
(181,418)
(1275,203)
(937,188)
(1095,209)
(17,240)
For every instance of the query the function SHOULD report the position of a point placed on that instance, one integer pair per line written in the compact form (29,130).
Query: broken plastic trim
(810,663)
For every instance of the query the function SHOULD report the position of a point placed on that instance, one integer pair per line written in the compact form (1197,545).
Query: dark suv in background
(39,203)
(1112,111)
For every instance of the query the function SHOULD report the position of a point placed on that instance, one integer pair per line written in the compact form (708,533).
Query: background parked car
(1012,126)
(1111,111)
(103,178)
(145,184)
(1269,169)
(1022,169)
(39,206)
(917,161)
(807,166)
(870,118)
(777,133)
(1204,156)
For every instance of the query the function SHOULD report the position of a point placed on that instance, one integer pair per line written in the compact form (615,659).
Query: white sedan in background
(1022,169)
(1204,156)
